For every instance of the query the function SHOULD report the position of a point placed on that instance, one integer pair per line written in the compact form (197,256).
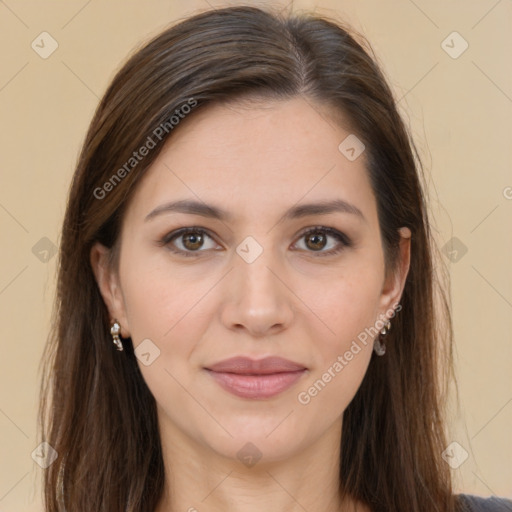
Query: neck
(199,479)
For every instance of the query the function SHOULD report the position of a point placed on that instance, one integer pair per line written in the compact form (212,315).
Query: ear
(109,286)
(395,281)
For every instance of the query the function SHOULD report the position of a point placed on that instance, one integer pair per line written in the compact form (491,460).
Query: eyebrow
(215,212)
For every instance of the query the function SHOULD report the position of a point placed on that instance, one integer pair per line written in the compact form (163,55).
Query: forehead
(256,158)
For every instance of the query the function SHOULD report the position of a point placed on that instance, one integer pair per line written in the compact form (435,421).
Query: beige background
(460,112)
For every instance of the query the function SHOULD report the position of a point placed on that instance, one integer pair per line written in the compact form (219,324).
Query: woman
(246,315)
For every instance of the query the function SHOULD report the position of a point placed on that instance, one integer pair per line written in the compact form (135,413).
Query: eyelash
(344,240)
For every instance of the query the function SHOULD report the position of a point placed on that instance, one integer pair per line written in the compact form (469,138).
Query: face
(272,277)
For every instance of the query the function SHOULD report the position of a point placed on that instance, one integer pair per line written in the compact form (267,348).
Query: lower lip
(256,386)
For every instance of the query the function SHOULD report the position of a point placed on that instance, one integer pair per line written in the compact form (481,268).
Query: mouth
(256,379)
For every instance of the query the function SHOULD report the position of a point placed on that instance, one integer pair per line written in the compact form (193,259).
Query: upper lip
(246,365)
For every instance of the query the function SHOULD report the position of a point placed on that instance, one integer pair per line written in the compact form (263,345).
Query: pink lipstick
(256,379)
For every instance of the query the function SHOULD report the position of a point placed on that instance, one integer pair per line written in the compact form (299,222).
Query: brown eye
(318,238)
(189,241)
(192,241)
(316,241)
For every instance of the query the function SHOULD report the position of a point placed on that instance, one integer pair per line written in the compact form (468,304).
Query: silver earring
(378,345)
(114,331)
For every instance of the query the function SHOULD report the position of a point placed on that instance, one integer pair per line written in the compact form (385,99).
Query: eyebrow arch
(215,212)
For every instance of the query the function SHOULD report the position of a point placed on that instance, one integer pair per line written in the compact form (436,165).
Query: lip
(257,379)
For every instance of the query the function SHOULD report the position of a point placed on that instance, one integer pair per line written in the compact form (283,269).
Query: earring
(378,345)
(114,331)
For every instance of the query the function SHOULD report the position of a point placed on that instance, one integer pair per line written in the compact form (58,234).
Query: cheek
(342,357)
(160,308)
(150,304)
(348,311)
(171,309)
(159,300)
(347,305)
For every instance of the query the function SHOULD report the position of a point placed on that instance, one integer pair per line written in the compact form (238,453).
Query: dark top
(473,503)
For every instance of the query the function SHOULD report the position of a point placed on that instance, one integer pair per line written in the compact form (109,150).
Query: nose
(259,296)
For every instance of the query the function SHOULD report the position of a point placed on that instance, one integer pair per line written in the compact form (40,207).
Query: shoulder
(473,503)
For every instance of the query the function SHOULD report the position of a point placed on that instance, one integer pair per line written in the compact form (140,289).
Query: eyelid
(344,241)
(341,237)
(169,237)
(330,231)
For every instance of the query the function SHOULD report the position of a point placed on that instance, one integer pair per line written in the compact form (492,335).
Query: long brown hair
(96,410)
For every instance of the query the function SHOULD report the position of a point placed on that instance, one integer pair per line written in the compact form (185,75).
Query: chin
(255,443)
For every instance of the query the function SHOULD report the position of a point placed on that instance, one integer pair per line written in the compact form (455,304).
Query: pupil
(318,245)
(194,239)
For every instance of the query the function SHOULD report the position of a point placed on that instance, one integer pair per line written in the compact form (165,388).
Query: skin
(255,159)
